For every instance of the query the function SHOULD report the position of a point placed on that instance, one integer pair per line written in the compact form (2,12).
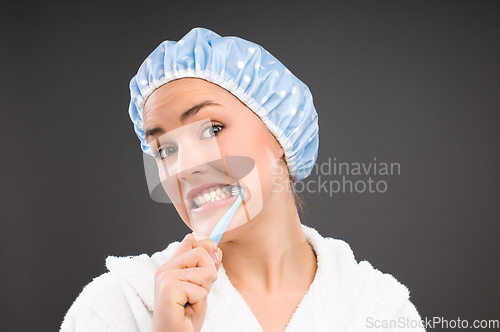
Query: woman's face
(192,149)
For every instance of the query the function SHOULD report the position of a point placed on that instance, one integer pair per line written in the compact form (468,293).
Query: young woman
(268,273)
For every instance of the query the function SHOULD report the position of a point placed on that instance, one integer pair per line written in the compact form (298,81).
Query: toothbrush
(221,226)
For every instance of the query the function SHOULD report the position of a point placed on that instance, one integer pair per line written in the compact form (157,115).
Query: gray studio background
(412,82)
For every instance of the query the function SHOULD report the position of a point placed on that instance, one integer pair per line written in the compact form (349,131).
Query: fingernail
(216,257)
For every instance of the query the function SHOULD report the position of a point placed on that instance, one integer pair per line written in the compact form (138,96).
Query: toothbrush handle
(221,226)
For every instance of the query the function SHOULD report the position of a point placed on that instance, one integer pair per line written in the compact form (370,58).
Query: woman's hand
(186,277)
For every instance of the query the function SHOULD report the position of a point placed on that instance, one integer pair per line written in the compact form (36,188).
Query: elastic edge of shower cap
(249,72)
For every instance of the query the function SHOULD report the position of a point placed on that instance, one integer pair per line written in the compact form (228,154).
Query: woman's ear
(278,149)
(281,152)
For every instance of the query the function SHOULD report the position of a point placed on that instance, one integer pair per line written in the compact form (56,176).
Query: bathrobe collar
(343,290)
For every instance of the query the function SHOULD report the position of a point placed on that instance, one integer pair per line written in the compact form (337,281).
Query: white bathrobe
(344,296)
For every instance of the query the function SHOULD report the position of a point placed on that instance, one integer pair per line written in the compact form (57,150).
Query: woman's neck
(273,253)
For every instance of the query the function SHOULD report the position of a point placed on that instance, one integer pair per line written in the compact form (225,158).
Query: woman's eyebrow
(195,109)
(184,117)
(154,132)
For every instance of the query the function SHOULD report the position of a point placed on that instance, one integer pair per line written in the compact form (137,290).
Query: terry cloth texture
(344,296)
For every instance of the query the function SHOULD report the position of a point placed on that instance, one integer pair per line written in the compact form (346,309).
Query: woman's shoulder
(100,299)
(120,299)
(358,284)
(338,256)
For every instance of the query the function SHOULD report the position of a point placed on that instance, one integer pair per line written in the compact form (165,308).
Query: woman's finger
(193,294)
(199,276)
(186,244)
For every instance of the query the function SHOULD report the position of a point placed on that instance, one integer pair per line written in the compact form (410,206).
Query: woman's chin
(203,223)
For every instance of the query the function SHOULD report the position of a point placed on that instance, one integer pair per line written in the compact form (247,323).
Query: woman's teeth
(212,194)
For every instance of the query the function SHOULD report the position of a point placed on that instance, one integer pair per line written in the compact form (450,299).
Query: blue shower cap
(250,73)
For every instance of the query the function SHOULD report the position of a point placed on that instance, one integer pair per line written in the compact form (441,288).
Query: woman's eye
(168,151)
(212,131)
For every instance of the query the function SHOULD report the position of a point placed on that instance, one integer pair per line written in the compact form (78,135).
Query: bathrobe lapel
(341,298)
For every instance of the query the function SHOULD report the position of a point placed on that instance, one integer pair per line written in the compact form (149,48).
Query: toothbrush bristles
(235,191)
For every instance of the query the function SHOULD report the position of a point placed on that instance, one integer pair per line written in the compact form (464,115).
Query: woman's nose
(190,164)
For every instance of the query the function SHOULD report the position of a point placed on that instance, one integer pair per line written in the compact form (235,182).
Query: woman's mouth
(212,198)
